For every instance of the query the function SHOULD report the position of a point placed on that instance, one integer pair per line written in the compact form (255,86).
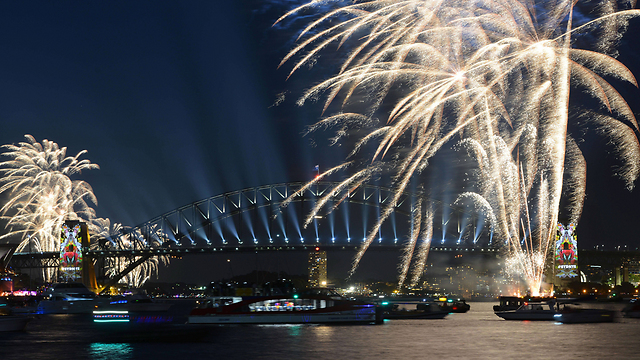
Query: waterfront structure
(565,255)
(6,277)
(317,268)
(73,265)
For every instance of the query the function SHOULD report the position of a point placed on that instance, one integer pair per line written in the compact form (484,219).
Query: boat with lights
(574,314)
(10,321)
(134,301)
(515,302)
(536,310)
(632,309)
(454,305)
(414,310)
(312,306)
(68,298)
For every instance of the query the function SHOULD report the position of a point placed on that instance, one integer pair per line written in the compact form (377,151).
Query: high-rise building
(317,268)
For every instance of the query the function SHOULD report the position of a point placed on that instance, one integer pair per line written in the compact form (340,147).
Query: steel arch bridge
(254,219)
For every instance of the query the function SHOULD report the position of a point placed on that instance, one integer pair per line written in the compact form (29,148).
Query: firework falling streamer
(498,73)
(410,246)
(423,248)
(132,240)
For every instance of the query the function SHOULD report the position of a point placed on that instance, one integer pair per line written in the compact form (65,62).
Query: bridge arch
(253,218)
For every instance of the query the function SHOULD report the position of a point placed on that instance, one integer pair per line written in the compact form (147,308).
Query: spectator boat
(539,310)
(313,306)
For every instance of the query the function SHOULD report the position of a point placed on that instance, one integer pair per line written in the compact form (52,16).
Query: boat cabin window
(72,286)
(220,302)
(413,306)
(290,305)
(535,307)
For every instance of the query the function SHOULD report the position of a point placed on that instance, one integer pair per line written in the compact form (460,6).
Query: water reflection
(104,351)
(324,332)
(295,330)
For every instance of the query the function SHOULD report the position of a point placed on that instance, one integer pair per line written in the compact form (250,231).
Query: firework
(128,240)
(42,194)
(495,74)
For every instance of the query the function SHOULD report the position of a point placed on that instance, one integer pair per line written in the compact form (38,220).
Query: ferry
(313,306)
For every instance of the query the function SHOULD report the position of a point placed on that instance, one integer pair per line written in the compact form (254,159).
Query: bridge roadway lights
(202,219)
(51,259)
(161,251)
(169,251)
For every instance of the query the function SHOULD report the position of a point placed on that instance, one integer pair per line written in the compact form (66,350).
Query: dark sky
(173,99)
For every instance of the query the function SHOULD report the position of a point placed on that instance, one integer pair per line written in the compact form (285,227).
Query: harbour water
(477,334)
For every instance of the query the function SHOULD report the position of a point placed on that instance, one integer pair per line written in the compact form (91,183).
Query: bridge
(255,219)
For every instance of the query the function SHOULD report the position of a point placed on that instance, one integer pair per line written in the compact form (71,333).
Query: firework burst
(495,73)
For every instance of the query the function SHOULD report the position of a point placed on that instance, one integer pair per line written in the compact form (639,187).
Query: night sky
(175,102)
(172,101)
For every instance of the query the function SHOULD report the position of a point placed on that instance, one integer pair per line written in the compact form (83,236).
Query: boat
(22,304)
(515,302)
(414,310)
(134,301)
(313,306)
(537,310)
(572,314)
(453,305)
(10,321)
(632,309)
(133,306)
(68,298)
